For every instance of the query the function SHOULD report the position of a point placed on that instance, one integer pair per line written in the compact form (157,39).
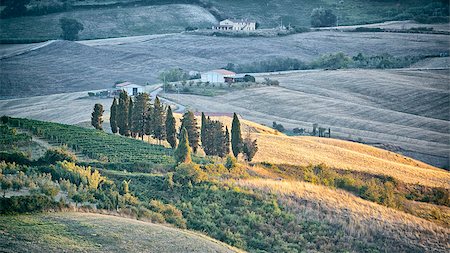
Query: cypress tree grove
(183,151)
(190,123)
(122,113)
(171,131)
(236,137)
(113,116)
(139,116)
(159,129)
(97,114)
(130,118)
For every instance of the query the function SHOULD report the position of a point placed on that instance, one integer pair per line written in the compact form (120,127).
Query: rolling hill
(114,22)
(63,66)
(402,110)
(88,232)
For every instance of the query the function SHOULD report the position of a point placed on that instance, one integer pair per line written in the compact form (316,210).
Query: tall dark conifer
(159,128)
(171,132)
(130,118)
(190,123)
(236,136)
(113,116)
(97,114)
(122,114)
(139,116)
(183,151)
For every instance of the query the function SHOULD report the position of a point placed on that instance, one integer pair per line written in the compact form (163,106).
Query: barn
(131,88)
(217,76)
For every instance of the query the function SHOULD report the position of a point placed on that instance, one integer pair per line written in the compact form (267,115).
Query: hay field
(64,66)
(403,110)
(87,232)
(114,22)
(360,219)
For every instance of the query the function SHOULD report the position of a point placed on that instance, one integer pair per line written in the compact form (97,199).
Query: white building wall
(212,77)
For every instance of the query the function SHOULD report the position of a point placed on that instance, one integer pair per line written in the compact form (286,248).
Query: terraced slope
(85,232)
(402,110)
(64,66)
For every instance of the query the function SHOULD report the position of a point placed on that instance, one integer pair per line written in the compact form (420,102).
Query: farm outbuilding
(236,25)
(131,88)
(217,76)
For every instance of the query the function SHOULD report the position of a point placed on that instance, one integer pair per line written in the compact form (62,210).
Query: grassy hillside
(109,22)
(269,13)
(356,216)
(85,232)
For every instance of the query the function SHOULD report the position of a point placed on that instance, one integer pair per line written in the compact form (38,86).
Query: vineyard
(103,147)
(9,137)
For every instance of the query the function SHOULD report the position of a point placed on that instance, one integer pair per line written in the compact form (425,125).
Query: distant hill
(87,232)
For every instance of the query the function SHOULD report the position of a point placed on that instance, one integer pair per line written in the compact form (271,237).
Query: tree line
(139,117)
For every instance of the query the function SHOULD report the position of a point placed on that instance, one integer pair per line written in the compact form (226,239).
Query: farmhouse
(218,76)
(235,25)
(131,88)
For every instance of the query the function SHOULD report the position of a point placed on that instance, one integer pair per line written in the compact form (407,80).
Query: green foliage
(14,8)
(189,122)
(173,75)
(70,28)
(171,132)
(55,155)
(183,151)
(96,118)
(215,141)
(158,121)
(111,151)
(26,204)
(321,17)
(249,148)
(139,114)
(170,213)
(231,162)
(122,113)
(10,138)
(113,117)
(18,157)
(189,173)
(236,137)
(77,175)
(332,61)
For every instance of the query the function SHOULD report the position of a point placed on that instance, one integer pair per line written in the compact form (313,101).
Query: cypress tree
(113,116)
(190,123)
(140,110)
(236,137)
(183,151)
(130,118)
(149,121)
(159,129)
(97,114)
(171,132)
(226,144)
(203,130)
(122,113)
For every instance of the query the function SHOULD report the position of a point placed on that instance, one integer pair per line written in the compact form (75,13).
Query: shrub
(321,17)
(230,162)
(70,28)
(189,172)
(25,204)
(278,127)
(55,155)
(15,157)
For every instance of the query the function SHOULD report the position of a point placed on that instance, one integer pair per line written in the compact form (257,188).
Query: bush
(26,204)
(321,17)
(55,155)
(231,162)
(189,173)
(70,28)
(278,127)
(15,157)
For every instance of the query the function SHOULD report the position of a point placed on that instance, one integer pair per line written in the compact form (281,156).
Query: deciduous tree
(70,28)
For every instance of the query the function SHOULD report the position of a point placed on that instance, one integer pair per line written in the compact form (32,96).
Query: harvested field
(403,110)
(64,66)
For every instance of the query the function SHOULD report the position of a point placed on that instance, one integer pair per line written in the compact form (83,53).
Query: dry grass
(350,156)
(360,219)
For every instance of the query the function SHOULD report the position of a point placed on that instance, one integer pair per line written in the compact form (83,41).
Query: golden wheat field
(359,218)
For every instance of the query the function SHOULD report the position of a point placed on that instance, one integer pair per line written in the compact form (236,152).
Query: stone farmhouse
(235,25)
